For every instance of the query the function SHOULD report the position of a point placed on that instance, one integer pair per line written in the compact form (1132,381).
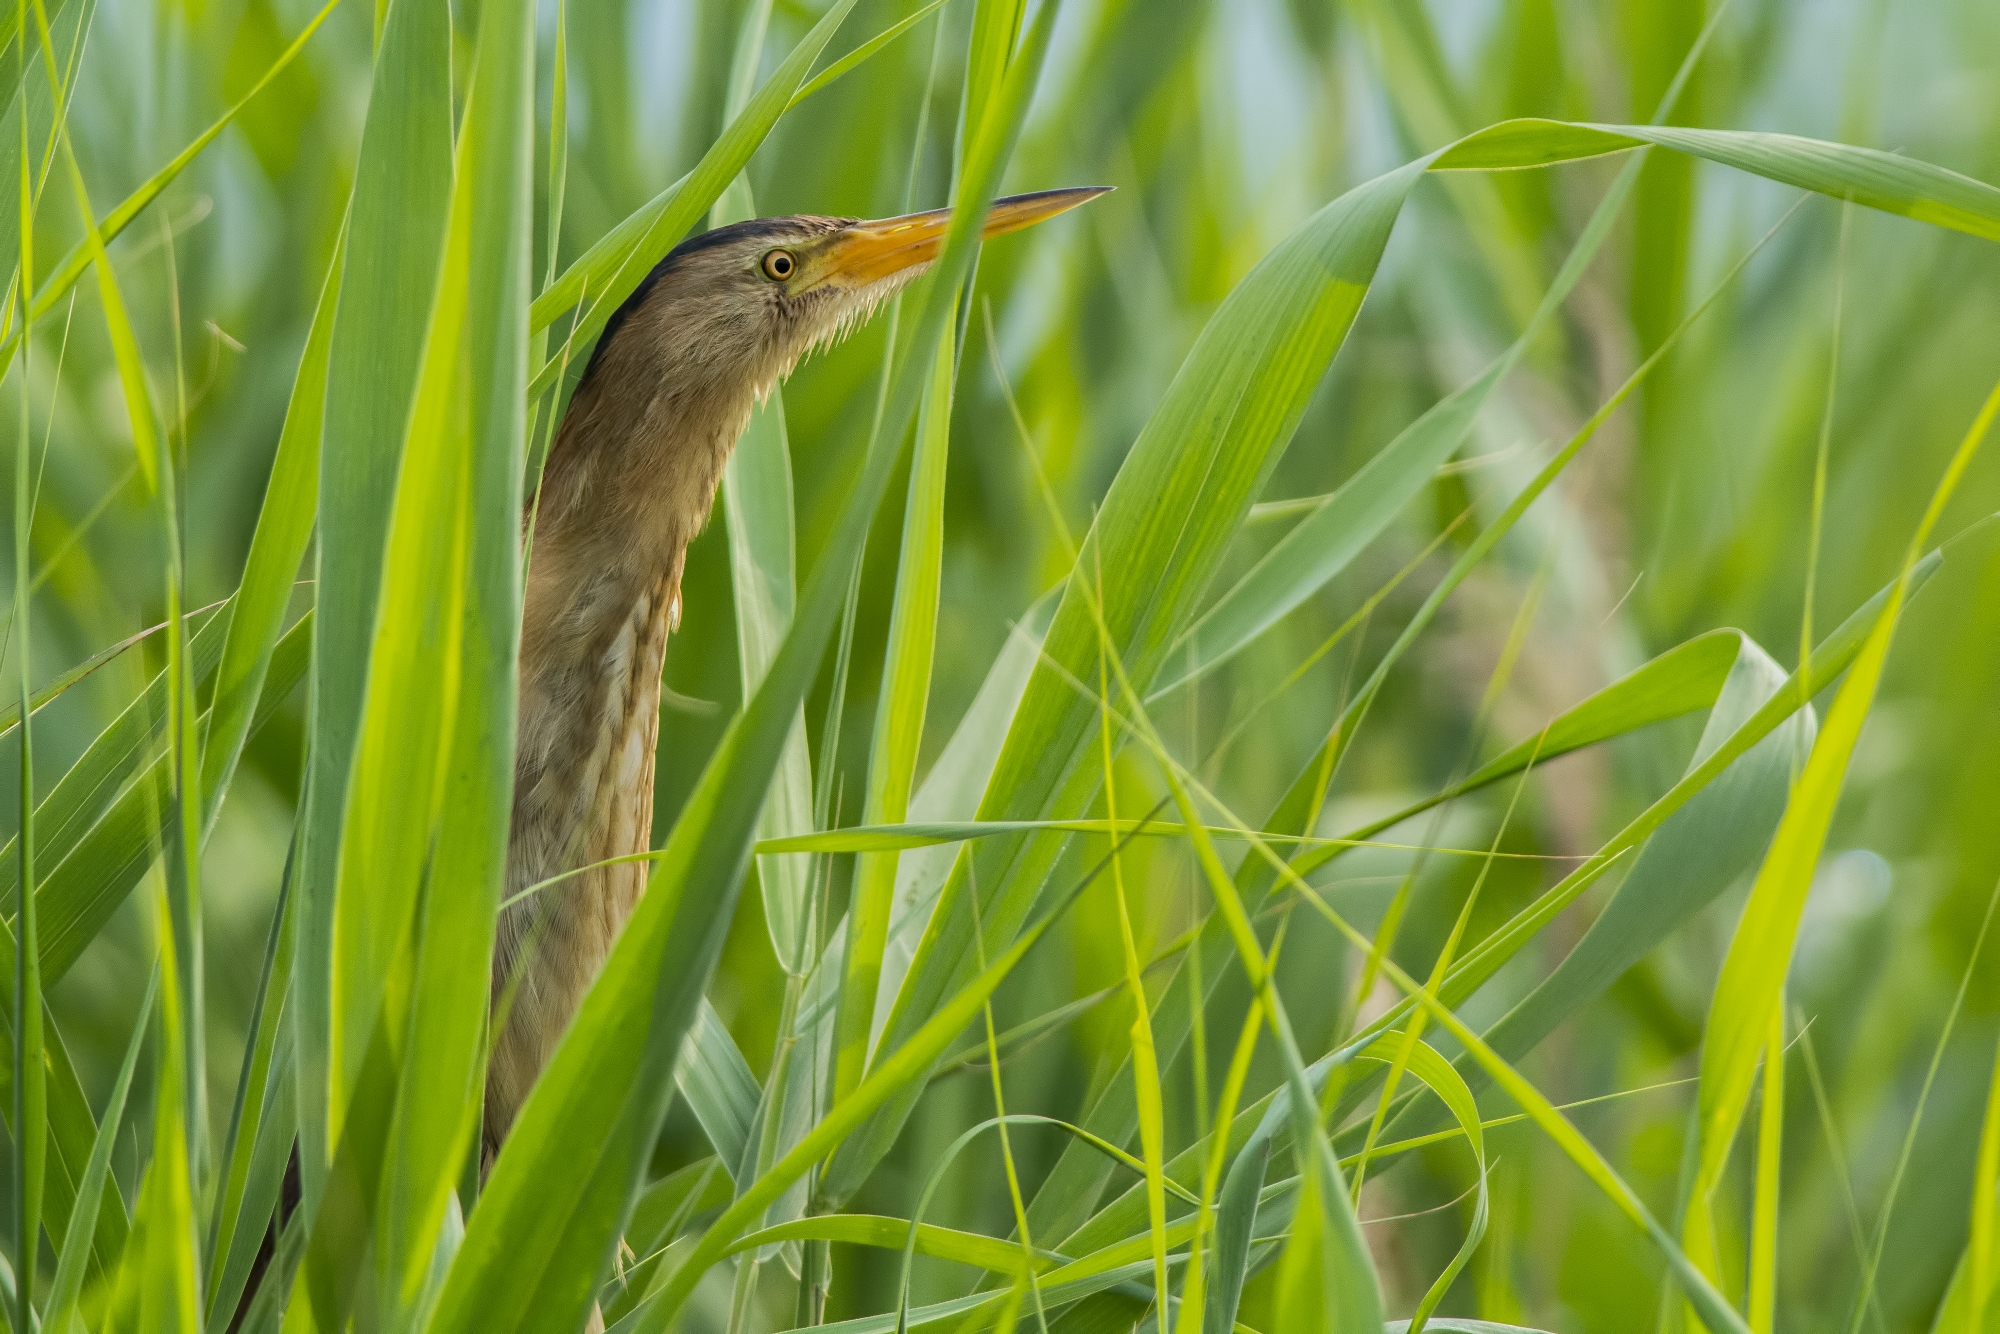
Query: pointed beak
(868,252)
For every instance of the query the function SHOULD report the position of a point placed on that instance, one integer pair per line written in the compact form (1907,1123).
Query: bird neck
(629,483)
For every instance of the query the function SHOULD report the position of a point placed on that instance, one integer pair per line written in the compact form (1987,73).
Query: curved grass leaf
(1885,181)
(1443,1079)
(893,1234)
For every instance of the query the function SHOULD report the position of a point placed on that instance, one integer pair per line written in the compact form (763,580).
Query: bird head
(728,313)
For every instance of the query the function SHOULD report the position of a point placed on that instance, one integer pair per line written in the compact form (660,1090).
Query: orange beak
(868,252)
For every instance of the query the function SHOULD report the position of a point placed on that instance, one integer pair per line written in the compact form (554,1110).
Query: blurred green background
(1223,125)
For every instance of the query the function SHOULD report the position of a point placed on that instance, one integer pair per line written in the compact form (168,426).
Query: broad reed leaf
(1345,522)
(424,844)
(719,1086)
(394,232)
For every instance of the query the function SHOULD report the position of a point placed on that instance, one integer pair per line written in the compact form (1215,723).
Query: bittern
(628,484)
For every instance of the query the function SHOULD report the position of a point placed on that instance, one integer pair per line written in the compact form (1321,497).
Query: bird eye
(779,265)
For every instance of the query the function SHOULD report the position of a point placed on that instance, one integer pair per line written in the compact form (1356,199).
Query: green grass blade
(1973,1288)
(394,231)
(1762,1302)
(899,720)
(171,1288)
(75,1252)
(719,1087)
(893,1234)
(244,1198)
(30,1078)
(284,529)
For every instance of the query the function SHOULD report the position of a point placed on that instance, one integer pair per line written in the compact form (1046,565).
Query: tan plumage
(629,482)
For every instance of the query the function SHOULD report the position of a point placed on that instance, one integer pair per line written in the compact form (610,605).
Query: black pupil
(781,264)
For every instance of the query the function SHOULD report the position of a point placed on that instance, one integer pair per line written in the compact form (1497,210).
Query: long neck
(628,485)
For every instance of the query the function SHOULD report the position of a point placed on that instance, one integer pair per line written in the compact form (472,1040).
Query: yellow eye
(779,265)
